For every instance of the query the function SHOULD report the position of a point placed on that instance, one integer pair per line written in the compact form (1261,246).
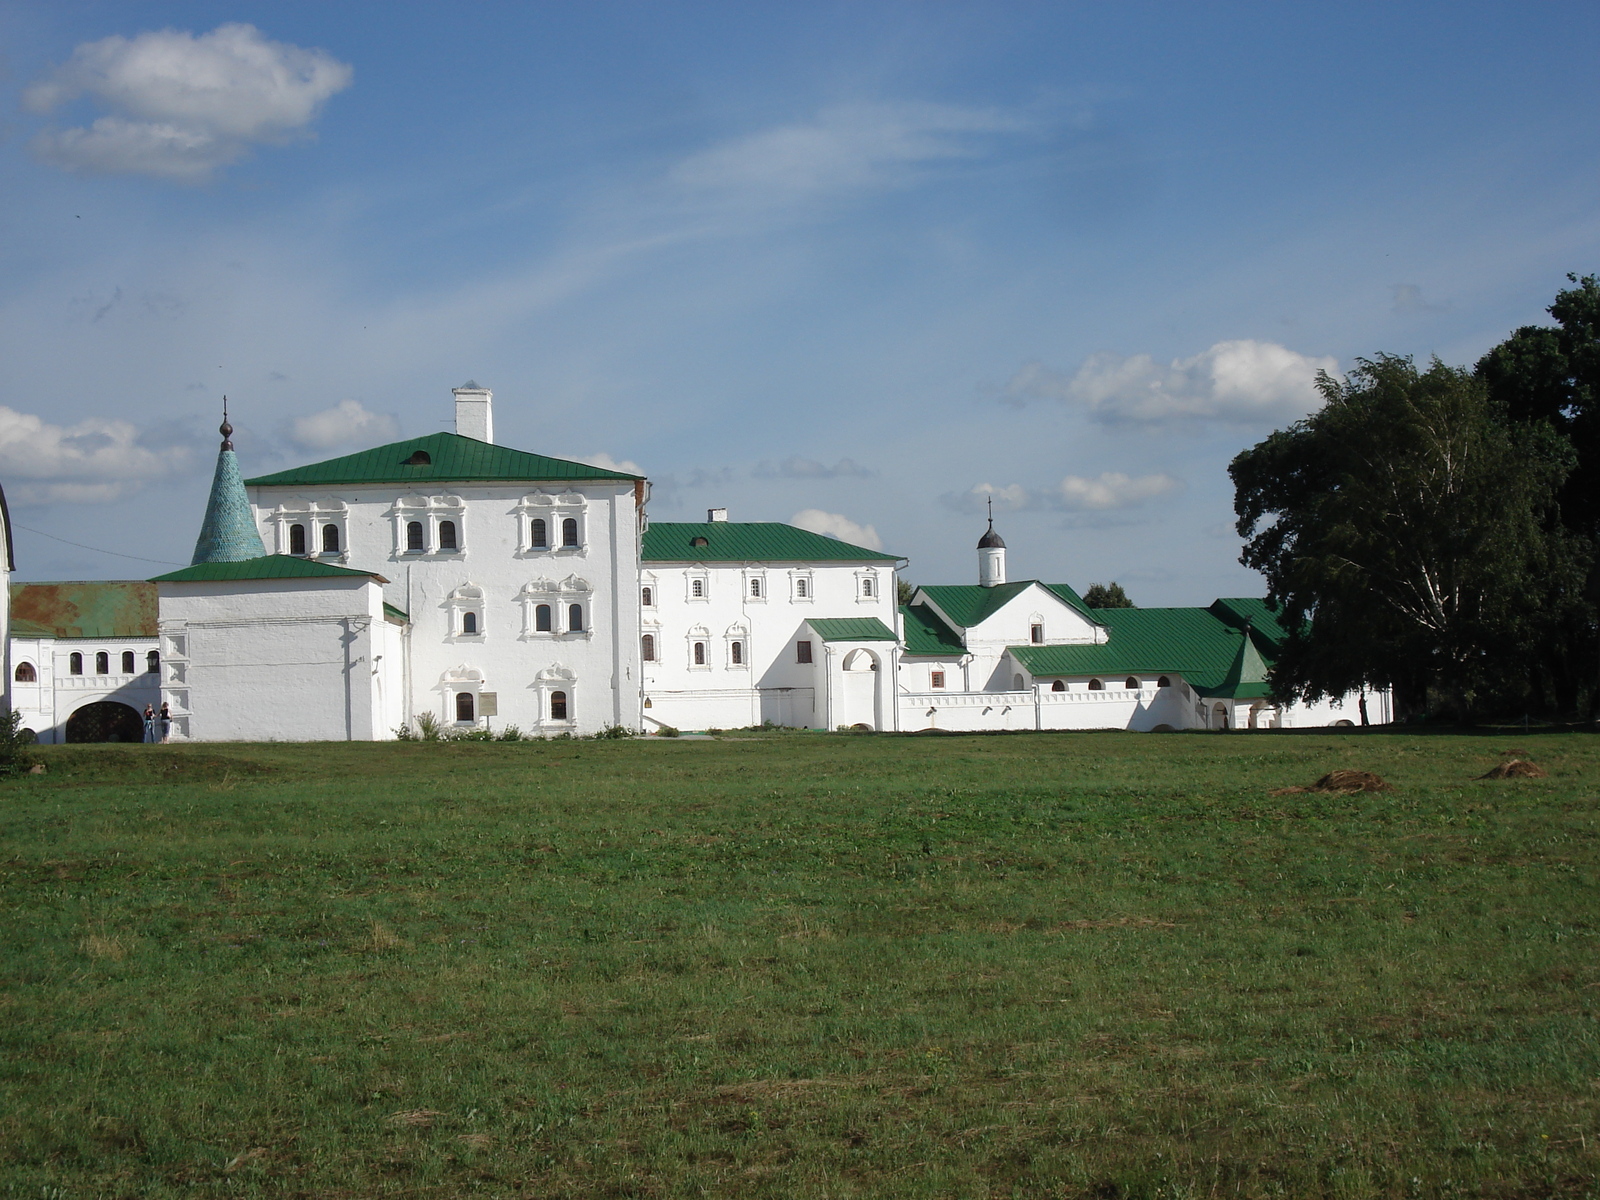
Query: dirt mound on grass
(1340,783)
(1516,768)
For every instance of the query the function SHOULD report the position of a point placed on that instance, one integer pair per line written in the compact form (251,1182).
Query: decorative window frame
(648,581)
(430,510)
(698,633)
(808,577)
(468,598)
(653,629)
(461,678)
(560,597)
(1036,621)
(313,514)
(556,678)
(692,576)
(869,588)
(737,632)
(553,509)
(756,589)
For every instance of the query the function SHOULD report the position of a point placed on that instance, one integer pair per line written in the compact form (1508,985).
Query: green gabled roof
(968,604)
(927,634)
(271,566)
(1240,611)
(1247,677)
(1192,642)
(395,614)
(84,609)
(748,541)
(455,459)
(851,629)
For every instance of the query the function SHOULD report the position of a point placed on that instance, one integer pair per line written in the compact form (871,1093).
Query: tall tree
(1402,528)
(1107,595)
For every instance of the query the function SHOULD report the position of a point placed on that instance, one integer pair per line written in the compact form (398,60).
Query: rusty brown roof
(87,609)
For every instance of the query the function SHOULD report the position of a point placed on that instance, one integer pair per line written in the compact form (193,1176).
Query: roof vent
(419,458)
(698,542)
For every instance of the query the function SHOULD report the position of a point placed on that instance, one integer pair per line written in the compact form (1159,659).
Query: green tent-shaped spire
(228,534)
(1247,677)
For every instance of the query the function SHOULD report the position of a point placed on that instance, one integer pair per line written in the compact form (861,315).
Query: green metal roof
(851,629)
(89,609)
(1240,611)
(272,566)
(748,541)
(454,459)
(968,604)
(927,634)
(395,614)
(1193,642)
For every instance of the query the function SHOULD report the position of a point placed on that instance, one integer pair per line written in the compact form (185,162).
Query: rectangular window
(866,587)
(802,652)
(938,679)
(1037,633)
(755,589)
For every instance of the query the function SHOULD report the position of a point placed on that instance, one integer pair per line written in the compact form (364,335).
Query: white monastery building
(451,579)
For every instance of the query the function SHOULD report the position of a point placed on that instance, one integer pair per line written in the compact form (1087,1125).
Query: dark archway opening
(105,721)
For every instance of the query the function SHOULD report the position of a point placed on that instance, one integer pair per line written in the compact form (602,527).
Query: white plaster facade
(52,678)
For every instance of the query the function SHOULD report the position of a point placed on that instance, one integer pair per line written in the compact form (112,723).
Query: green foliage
(668,731)
(1065,965)
(427,727)
(510,734)
(1402,528)
(1107,595)
(612,732)
(15,744)
(903,591)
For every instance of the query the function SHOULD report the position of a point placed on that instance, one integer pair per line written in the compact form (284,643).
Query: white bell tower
(991,555)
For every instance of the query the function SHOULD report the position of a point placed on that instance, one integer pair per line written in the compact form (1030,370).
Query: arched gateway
(105,721)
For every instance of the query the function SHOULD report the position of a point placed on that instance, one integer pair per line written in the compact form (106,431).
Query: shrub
(428,727)
(510,734)
(613,731)
(668,731)
(14,742)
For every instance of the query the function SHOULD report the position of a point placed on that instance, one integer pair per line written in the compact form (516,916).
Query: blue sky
(856,265)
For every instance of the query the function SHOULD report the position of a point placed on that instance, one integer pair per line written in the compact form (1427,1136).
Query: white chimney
(716,514)
(474,411)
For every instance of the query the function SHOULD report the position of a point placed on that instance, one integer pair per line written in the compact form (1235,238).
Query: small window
(802,652)
(447,535)
(1131,684)
(569,533)
(297,539)
(414,543)
(866,586)
(1017,683)
(1163,682)
(419,458)
(558,706)
(102,663)
(648,597)
(152,661)
(647,647)
(330,539)
(127,662)
(937,679)
(26,673)
(699,654)
(541,619)
(539,534)
(75,663)
(755,589)
(1059,685)
(466,710)
(1036,634)
(802,588)
(736,653)
(1096,686)
(575,618)
(697,588)
(469,623)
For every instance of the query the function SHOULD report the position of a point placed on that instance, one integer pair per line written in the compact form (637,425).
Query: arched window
(447,535)
(697,588)
(647,647)
(466,710)
(541,619)
(297,539)
(558,706)
(414,537)
(569,532)
(26,673)
(802,588)
(1096,686)
(1017,683)
(152,661)
(1059,685)
(699,654)
(736,653)
(1131,684)
(330,539)
(127,662)
(755,589)
(1163,682)
(575,618)
(1036,634)
(102,663)
(539,534)
(75,663)
(648,597)
(469,623)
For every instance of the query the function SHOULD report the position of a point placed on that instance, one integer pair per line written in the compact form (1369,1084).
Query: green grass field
(802,966)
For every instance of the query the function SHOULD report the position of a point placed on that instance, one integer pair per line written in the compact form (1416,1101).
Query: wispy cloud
(94,461)
(347,423)
(1237,382)
(606,463)
(809,468)
(836,525)
(182,105)
(1106,491)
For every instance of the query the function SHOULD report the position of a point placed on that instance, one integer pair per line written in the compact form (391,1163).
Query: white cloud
(606,463)
(809,468)
(94,461)
(1074,493)
(846,148)
(834,525)
(347,423)
(1243,381)
(183,105)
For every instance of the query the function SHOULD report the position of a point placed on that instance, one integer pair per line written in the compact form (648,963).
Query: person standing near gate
(166,722)
(149,723)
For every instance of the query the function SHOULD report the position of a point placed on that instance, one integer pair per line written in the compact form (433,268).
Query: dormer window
(419,458)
